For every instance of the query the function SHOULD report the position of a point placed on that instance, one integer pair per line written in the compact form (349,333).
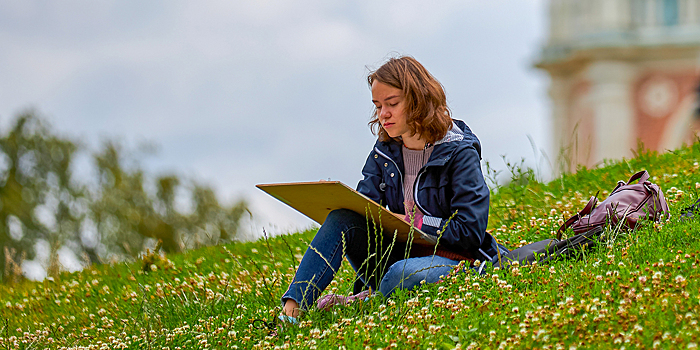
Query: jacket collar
(458,136)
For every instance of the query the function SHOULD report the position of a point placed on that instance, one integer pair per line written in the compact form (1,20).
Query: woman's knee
(343,217)
(409,273)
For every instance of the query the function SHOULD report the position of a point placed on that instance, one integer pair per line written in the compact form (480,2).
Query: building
(622,72)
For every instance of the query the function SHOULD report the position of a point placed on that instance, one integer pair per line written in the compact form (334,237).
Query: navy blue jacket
(451,181)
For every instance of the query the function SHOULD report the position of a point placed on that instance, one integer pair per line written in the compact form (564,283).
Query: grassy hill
(636,289)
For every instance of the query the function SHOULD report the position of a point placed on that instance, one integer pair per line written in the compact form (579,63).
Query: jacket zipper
(415,192)
(415,183)
(392,161)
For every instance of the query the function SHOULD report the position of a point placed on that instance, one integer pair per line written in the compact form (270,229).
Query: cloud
(319,42)
(242,92)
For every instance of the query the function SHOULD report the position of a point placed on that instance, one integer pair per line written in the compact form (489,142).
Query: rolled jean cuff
(286,297)
(304,292)
(296,293)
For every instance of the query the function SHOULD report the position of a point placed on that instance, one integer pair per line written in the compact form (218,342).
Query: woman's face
(391,111)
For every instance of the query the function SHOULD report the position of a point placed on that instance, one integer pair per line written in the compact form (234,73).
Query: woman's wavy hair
(427,113)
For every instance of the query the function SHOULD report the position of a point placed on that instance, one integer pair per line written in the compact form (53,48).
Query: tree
(126,215)
(115,217)
(38,200)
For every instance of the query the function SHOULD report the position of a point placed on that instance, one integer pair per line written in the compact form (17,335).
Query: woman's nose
(383,113)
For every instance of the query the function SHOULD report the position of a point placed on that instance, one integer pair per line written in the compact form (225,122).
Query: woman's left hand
(417,220)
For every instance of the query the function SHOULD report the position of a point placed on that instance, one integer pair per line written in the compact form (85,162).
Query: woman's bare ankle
(291,308)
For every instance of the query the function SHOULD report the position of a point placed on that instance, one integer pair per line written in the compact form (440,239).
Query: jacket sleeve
(369,185)
(470,201)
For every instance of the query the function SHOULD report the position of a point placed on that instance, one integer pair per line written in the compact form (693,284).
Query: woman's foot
(291,308)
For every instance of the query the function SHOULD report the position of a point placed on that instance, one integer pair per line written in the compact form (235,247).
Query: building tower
(622,72)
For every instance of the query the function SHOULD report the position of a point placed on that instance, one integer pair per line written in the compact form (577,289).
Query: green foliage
(638,289)
(35,179)
(126,215)
(41,200)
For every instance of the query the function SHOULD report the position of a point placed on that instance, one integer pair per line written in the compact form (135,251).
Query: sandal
(328,300)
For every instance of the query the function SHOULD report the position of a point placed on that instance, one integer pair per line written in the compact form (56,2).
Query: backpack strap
(664,205)
(641,176)
(657,195)
(585,211)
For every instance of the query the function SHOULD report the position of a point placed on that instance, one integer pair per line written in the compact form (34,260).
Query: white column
(559,93)
(565,20)
(691,12)
(651,13)
(611,100)
(682,12)
(555,21)
(625,19)
(608,11)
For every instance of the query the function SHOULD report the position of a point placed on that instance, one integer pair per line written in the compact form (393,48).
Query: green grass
(637,289)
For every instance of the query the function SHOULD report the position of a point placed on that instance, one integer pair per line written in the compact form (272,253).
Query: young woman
(425,166)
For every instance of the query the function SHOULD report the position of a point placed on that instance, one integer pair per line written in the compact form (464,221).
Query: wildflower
(680,279)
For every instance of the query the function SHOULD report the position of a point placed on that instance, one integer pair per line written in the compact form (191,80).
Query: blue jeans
(380,264)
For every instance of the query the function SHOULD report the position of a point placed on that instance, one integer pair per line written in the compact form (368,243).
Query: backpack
(627,204)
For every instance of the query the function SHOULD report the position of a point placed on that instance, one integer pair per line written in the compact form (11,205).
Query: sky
(236,93)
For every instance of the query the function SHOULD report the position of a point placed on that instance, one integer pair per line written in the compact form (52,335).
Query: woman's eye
(393,104)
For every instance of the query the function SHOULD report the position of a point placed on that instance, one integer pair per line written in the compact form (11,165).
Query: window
(669,12)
